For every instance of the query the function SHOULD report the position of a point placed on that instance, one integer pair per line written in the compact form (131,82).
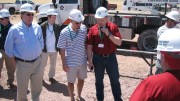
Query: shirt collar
(24,25)
(70,27)
(50,24)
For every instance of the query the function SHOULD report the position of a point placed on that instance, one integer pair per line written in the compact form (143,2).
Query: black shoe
(11,86)
(52,80)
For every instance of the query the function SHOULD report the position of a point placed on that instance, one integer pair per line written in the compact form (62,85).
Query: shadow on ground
(57,87)
(9,94)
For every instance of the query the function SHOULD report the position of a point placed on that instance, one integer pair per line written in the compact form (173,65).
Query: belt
(26,60)
(104,55)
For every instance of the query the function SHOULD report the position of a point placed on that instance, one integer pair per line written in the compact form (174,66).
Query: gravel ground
(132,70)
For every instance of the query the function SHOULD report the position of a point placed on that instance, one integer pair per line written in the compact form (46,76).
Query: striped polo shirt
(74,45)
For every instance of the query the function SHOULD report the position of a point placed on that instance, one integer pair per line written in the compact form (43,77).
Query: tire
(129,8)
(147,40)
(12,10)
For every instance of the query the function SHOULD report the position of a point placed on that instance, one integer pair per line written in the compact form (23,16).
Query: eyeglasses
(4,18)
(29,14)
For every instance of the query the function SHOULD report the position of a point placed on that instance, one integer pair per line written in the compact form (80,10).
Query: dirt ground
(132,70)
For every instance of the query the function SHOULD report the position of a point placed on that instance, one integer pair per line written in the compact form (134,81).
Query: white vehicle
(148,5)
(129,23)
(65,6)
(13,7)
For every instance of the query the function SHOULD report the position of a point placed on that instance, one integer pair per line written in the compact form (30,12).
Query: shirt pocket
(20,39)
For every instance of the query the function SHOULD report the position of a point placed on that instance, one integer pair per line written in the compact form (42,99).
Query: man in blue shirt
(4,28)
(23,45)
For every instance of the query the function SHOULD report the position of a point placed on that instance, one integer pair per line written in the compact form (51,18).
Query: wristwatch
(109,34)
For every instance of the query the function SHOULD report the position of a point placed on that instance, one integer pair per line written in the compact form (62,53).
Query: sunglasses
(29,14)
(4,18)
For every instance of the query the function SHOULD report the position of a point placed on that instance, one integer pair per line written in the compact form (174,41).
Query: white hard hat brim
(78,20)
(0,55)
(96,16)
(52,14)
(172,18)
(32,11)
(4,16)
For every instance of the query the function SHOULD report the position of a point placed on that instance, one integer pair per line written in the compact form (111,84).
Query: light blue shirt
(24,42)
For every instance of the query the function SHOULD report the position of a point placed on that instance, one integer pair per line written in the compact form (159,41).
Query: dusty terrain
(132,70)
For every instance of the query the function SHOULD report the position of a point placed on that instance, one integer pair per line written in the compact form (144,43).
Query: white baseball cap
(0,55)
(76,15)
(52,12)
(174,15)
(101,12)
(4,13)
(27,8)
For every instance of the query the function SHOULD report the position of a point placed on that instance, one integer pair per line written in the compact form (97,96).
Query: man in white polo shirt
(73,53)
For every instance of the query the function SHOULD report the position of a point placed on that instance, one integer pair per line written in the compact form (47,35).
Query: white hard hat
(101,12)
(169,41)
(174,15)
(52,12)
(0,55)
(76,15)
(26,8)
(4,13)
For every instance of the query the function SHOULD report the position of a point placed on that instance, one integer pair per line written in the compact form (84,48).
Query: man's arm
(62,53)
(114,39)
(89,54)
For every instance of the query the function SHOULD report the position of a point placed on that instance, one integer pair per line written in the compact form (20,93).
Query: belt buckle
(105,55)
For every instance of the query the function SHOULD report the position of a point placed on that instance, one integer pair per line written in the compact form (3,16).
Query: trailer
(145,24)
(149,5)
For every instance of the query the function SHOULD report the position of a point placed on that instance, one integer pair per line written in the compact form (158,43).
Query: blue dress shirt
(24,42)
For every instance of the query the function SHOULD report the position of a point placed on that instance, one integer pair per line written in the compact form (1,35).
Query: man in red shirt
(165,86)
(102,40)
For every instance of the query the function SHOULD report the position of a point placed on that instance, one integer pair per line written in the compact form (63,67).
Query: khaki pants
(26,72)
(10,68)
(52,58)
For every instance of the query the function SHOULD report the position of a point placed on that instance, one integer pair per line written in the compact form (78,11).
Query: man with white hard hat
(102,40)
(24,45)
(165,86)
(73,53)
(171,22)
(4,28)
(51,32)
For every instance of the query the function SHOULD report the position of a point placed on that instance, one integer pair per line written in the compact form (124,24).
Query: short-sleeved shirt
(94,39)
(161,30)
(74,44)
(161,87)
